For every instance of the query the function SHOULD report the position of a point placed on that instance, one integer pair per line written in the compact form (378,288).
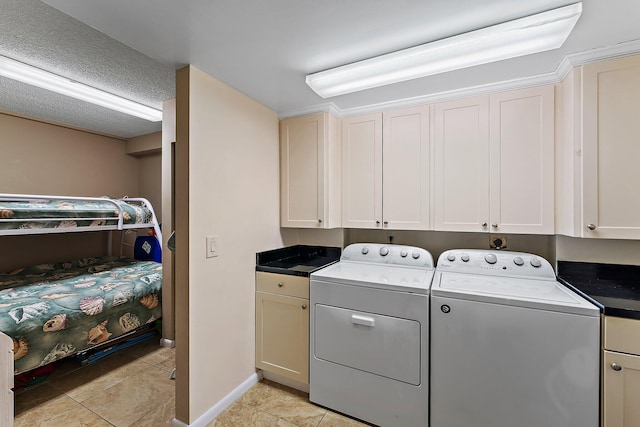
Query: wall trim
(221,406)
(572,60)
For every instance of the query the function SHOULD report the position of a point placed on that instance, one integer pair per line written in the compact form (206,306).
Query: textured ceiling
(265,48)
(42,36)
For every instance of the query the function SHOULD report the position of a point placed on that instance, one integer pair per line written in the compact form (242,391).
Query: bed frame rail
(6,380)
(119,226)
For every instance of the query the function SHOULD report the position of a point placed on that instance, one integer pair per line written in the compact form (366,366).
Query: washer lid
(541,294)
(396,278)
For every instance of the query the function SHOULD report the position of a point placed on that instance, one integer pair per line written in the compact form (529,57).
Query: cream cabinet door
(621,390)
(405,169)
(611,149)
(282,335)
(461,165)
(309,172)
(522,161)
(362,171)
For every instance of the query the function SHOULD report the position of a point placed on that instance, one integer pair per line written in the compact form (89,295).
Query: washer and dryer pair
(486,339)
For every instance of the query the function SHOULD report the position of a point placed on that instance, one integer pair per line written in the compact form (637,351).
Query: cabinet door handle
(386,223)
(280,284)
(494,225)
(304,306)
(377,222)
(484,224)
(616,367)
(319,221)
(591,227)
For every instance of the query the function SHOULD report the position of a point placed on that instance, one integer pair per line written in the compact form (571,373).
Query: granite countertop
(615,288)
(298,260)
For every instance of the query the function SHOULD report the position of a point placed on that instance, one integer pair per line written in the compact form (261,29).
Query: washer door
(382,345)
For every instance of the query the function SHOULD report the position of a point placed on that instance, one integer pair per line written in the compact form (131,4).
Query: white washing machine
(510,345)
(369,334)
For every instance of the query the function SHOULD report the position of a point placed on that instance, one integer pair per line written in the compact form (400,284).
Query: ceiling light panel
(16,70)
(524,36)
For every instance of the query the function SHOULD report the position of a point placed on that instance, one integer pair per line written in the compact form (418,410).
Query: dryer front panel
(381,345)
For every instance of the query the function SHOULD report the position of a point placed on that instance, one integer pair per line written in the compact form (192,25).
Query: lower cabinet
(621,373)
(282,325)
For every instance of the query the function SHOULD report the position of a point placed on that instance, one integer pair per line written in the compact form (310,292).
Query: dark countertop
(615,288)
(298,260)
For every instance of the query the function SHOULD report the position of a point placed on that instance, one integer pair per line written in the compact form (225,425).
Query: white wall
(234,195)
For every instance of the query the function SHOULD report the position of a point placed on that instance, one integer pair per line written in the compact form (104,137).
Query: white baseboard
(221,406)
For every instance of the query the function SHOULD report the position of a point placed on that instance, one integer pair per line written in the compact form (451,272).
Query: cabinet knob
(280,284)
(591,227)
(319,221)
(377,222)
(386,223)
(616,367)
(484,224)
(494,225)
(304,306)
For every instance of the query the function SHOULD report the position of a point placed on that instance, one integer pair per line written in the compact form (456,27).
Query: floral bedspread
(37,214)
(55,310)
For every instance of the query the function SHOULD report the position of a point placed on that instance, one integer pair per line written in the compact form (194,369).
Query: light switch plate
(212,246)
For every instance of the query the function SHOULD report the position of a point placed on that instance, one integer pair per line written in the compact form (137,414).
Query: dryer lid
(541,294)
(391,277)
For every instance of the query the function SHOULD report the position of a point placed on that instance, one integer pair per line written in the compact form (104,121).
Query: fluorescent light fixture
(524,36)
(16,70)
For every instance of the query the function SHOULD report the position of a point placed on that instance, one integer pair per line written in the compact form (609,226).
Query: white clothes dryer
(510,345)
(369,334)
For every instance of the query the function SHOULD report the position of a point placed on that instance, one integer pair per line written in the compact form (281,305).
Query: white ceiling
(265,48)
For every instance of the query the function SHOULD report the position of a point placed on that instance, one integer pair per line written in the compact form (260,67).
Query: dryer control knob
(415,254)
(518,261)
(464,257)
(535,262)
(404,254)
(451,257)
(491,258)
(384,251)
(365,250)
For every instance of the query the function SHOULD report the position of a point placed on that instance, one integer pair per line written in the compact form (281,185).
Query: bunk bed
(51,311)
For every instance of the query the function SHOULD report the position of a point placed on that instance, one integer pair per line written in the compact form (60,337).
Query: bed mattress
(54,310)
(40,214)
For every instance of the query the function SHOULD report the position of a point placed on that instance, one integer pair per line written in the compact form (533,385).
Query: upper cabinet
(494,163)
(386,170)
(598,150)
(611,149)
(310,185)
(461,167)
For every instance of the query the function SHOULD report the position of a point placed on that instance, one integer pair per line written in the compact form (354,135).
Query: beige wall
(437,242)
(150,179)
(41,158)
(234,195)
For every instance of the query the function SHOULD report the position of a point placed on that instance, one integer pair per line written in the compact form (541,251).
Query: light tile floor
(129,388)
(132,388)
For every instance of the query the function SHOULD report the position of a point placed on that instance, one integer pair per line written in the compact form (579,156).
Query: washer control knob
(415,254)
(384,251)
(365,250)
(451,257)
(491,258)
(535,262)
(464,257)
(518,261)
(404,254)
